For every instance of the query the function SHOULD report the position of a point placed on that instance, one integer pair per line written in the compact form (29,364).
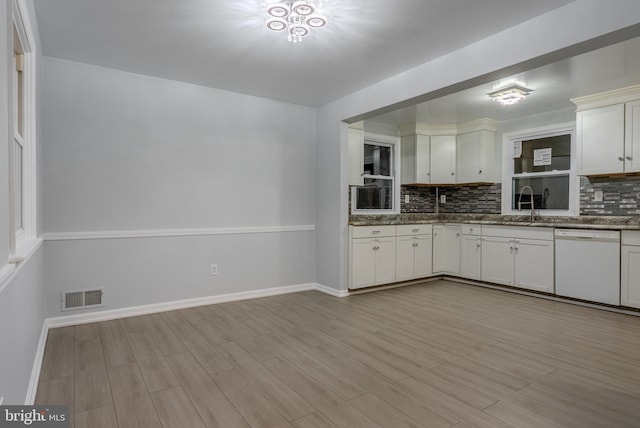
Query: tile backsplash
(479,199)
(620,195)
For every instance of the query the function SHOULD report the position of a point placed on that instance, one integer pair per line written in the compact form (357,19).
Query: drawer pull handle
(415,230)
(375,232)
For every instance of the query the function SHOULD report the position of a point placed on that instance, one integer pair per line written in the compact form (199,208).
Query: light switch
(443,199)
(598,196)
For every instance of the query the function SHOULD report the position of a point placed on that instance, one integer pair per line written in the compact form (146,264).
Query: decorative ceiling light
(295,17)
(511,94)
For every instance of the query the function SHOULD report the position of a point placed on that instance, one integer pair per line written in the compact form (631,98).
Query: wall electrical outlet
(214,270)
(598,196)
(443,199)
(406,199)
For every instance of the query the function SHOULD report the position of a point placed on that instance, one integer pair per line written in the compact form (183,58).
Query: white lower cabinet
(630,269)
(372,256)
(471,252)
(446,248)
(518,256)
(413,252)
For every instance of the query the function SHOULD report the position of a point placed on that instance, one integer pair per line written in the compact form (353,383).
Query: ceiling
(554,85)
(224,43)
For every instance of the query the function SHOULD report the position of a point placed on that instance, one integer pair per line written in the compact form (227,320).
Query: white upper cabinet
(356,156)
(632,137)
(600,140)
(415,159)
(443,159)
(476,157)
(608,132)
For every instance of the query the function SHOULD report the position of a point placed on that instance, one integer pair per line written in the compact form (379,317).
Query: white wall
(546,38)
(127,152)
(22,292)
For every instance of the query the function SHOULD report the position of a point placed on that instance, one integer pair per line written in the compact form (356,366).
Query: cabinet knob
(620,158)
(480,172)
(477,245)
(628,158)
(452,173)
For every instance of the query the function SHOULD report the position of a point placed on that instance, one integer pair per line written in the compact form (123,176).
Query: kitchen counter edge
(579,222)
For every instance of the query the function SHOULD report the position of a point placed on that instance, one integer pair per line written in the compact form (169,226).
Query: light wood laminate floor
(440,354)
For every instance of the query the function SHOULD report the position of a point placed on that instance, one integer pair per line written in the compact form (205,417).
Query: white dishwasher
(588,265)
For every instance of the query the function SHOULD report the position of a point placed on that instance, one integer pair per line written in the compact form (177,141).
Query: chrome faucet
(533,210)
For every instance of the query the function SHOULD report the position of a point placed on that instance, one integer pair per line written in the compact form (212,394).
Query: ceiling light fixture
(296,17)
(511,94)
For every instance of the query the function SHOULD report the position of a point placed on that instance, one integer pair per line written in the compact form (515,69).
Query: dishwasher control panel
(599,235)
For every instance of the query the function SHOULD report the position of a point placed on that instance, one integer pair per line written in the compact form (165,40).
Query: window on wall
(379,193)
(540,168)
(22,146)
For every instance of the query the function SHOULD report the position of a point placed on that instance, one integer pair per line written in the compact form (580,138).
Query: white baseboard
(331,291)
(69,320)
(37,366)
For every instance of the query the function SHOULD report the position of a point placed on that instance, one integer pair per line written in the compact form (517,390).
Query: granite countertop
(579,222)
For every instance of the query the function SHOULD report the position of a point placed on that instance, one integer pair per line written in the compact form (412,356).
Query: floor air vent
(80,299)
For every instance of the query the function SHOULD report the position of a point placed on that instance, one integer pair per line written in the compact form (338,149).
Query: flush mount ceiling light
(511,94)
(297,18)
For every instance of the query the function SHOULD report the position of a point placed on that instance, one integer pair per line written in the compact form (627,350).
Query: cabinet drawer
(373,231)
(413,229)
(471,229)
(630,237)
(519,232)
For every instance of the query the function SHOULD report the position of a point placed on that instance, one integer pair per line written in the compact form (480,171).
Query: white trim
(331,291)
(9,271)
(119,234)
(394,144)
(617,96)
(37,365)
(507,168)
(68,320)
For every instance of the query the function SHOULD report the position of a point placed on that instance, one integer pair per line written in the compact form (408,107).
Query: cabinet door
(443,159)
(356,156)
(423,252)
(600,140)
(405,258)
(497,260)
(470,256)
(363,263)
(632,137)
(534,265)
(385,264)
(446,249)
(415,159)
(475,154)
(630,277)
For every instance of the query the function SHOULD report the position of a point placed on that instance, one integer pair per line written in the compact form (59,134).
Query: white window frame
(508,168)
(394,143)
(23,239)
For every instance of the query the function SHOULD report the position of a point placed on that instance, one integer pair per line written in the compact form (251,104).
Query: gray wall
(22,294)
(127,152)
